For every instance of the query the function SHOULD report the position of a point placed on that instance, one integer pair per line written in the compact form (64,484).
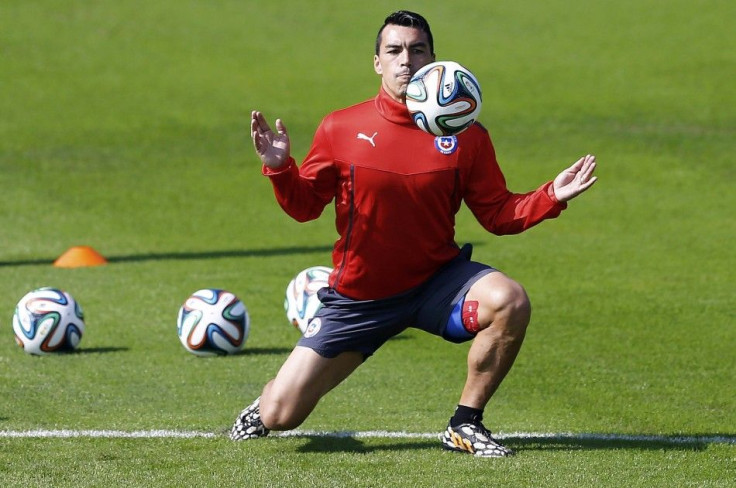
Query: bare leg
(304,378)
(503,315)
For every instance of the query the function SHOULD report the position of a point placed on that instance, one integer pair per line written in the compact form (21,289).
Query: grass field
(123,126)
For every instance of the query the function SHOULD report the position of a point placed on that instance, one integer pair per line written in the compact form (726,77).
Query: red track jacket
(396,191)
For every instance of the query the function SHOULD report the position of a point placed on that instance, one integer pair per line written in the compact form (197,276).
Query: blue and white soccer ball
(48,320)
(213,322)
(301,295)
(444,98)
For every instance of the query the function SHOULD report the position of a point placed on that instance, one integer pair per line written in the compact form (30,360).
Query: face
(402,52)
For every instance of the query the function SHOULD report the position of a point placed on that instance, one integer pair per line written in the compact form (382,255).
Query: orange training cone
(80,256)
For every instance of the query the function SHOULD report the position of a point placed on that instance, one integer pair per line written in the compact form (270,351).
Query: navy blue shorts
(344,324)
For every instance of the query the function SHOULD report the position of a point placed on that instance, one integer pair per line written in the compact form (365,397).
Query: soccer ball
(48,320)
(443,98)
(213,322)
(301,295)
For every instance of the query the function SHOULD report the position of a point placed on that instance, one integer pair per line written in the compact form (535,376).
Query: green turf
(124,126)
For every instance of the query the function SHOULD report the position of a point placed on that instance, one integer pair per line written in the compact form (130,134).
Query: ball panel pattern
(444,98)
(48,320)
(302,302)
(213,322)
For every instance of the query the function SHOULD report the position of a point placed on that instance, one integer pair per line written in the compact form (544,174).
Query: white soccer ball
(301,295)
(213,322)
(48,320)
(443,98)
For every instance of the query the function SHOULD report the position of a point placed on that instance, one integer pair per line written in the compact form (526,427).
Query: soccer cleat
(474,439)
(248,425)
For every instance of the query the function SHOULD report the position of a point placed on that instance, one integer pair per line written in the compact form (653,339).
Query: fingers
(587,168)
(575,179)
(253,125)
(280,127)
(585,174)
(271,147)
(577,164)
(260,131)
(588,160)
(583,163)
(256,132)
(258,123)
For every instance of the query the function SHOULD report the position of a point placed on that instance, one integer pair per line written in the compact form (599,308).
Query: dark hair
(405,18)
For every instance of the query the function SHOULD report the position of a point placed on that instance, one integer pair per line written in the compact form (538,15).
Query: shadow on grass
(592,442)
(248,351)
(344,442)
(182,256)
(243,253)
(351,444)
(99,350)
(190,255)
(86,350)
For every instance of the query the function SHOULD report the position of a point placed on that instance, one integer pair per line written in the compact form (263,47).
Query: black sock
(466,415)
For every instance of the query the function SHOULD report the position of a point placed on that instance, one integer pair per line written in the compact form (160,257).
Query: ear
(377,65)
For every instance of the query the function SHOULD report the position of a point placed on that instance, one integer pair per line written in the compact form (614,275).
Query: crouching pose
(396,191)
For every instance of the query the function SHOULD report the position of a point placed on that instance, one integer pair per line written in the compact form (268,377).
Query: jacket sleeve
(303,192)
(496,208)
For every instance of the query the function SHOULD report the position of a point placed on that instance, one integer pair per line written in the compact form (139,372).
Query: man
(396,263)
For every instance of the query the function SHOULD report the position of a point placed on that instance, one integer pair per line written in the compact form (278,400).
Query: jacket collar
(392,110)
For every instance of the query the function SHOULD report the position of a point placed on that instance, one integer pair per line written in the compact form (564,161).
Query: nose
(405,58)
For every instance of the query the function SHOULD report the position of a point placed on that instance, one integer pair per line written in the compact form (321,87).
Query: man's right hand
(273,148)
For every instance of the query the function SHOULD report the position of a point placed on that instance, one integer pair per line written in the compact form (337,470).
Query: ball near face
(444,98)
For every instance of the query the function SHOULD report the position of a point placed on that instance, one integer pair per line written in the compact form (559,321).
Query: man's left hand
(575,179)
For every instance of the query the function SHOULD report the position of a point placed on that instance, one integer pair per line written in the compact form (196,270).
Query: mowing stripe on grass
(111,434)
(378,434)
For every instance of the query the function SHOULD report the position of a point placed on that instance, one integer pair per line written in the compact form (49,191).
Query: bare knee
(300,383)
(284,407)
(279,413)
(512,301)
(502,302)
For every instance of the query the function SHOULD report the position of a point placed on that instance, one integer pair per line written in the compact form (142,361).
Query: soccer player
(396,264)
